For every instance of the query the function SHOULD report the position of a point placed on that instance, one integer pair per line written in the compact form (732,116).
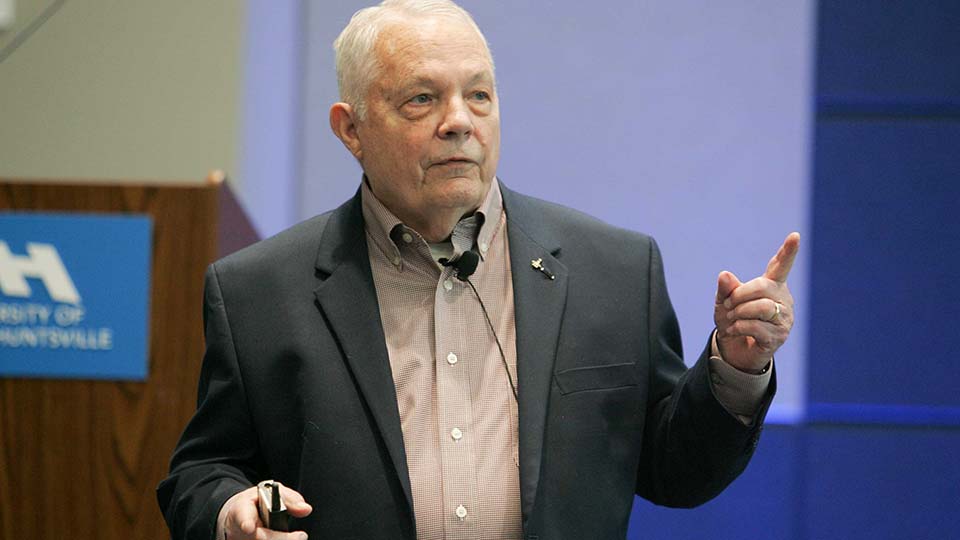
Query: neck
(436,224)
(438,227)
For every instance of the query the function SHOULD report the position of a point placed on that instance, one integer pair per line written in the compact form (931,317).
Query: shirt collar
(389,233)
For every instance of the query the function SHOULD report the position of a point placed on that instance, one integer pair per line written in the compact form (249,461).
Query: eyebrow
(406,86)
(416,81)
(483,76)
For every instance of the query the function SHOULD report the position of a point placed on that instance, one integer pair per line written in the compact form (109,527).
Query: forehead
(430,48)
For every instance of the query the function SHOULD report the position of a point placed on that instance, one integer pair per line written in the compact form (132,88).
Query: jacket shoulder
(565,226)
(287,246)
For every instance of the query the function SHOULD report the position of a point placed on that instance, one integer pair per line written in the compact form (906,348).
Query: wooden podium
(81,459)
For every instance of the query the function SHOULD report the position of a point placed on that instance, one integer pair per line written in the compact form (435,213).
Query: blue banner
(74,295)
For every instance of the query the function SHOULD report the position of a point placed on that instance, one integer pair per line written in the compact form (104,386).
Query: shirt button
(396,261)
(451,359)
(456,434)
(461,512)
(448,284)
(407,237)
(716,379)
(483,247)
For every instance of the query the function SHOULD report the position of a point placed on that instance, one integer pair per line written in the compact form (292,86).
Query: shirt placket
(461,509)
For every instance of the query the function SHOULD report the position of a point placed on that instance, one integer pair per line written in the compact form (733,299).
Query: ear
(344,125)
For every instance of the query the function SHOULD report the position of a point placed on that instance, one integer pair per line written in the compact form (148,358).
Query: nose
(457,120)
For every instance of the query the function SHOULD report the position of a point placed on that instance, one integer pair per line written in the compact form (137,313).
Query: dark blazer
(296,385)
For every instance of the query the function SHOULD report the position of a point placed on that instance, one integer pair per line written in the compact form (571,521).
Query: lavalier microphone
(465,265)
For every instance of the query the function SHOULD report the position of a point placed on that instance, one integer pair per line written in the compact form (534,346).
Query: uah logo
(42,262)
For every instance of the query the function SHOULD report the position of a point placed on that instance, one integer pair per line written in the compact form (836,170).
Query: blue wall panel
(886,250)
(763,503)
(879,460)
(828,482)
(882,483)
(889,52)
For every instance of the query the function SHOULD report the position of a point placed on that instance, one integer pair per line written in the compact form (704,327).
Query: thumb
(726,284)
(296,505)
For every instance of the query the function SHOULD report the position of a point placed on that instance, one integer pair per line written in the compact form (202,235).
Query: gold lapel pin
(537,264)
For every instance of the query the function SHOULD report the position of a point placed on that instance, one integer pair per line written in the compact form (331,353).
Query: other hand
(239,518)
(754,318)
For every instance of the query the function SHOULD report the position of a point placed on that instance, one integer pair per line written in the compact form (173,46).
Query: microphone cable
(503,357)
(465,266)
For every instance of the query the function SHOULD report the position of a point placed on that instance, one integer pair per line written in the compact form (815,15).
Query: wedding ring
(775,315)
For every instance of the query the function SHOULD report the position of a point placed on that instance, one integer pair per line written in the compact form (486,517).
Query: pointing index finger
(779,266)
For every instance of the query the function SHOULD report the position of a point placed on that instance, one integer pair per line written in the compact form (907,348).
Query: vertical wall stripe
(272,114)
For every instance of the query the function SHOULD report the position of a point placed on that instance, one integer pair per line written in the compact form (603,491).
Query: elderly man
(441,357)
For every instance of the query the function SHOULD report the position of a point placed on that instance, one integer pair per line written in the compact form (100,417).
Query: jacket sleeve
(218,454)
(692,448)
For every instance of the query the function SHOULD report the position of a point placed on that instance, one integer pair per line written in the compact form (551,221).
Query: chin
(467,193)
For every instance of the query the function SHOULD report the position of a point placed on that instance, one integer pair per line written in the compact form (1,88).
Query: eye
(421,99)
(480,95)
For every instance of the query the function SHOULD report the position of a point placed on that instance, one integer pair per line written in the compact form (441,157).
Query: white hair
(357,63)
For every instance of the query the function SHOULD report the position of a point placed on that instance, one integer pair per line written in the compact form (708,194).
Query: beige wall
(123,90)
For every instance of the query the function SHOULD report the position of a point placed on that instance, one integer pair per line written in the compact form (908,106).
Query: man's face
(430,141)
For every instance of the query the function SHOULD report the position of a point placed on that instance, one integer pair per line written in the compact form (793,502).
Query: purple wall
(270,141)
(686,120)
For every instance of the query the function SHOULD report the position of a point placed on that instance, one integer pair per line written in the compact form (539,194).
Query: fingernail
(729,315)
(727,303)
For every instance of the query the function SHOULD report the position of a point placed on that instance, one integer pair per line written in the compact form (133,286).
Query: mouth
(456,161)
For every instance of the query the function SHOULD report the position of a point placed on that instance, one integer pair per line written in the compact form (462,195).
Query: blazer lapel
(348,298)
(539,303)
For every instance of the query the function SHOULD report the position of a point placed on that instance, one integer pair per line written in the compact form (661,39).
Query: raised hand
(754,318)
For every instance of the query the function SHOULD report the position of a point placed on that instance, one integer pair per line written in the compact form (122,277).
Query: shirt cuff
(740,393)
